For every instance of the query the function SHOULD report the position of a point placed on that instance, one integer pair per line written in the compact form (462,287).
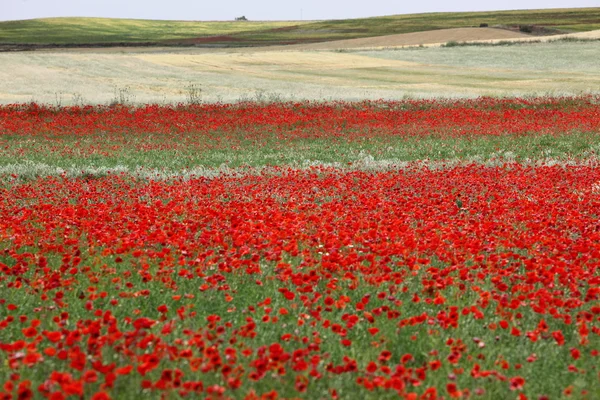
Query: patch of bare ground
(416,38)
(426,38)
(589,35)
(203,40)
(431,38)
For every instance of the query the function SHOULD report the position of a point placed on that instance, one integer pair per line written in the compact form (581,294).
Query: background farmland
(195,227)
(101,30)
(99,76)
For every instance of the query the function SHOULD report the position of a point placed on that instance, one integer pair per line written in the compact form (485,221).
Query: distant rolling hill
(110,32)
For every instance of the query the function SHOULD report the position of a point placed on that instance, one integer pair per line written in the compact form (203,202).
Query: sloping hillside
(101,31)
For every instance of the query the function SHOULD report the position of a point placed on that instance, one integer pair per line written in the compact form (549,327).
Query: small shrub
(122,96)
(526,28)
(483,25)
(77,99)
(58,99)
(194,94)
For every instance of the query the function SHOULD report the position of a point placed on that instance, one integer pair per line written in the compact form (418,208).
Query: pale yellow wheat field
(165,75)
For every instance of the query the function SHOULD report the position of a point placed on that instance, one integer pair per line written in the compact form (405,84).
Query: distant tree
(242,18)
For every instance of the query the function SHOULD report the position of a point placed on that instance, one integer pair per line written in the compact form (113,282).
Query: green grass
(566,39)
(247,294)
(122,281)
(95,155)
(109,30)
(568,20)
(99,30)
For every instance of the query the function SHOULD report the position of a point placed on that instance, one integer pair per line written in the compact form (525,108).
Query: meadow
(556,20)
(69,31)
(79,31)
(170,75)
(337,220)
(417,249)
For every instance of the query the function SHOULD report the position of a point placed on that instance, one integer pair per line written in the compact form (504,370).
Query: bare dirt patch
(585,35)
(417,38)
(203,40)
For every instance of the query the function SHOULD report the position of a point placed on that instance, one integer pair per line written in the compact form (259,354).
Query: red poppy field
(459,278)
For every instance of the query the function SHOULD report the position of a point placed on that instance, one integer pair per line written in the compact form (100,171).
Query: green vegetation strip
(567,20)
(154,152)
(112,30)
(211,302)
(64,31)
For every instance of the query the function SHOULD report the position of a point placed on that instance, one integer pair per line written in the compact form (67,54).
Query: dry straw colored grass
(416,38)
(162,75)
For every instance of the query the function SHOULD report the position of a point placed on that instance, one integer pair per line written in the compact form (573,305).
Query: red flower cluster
(261,122)
(457,282)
